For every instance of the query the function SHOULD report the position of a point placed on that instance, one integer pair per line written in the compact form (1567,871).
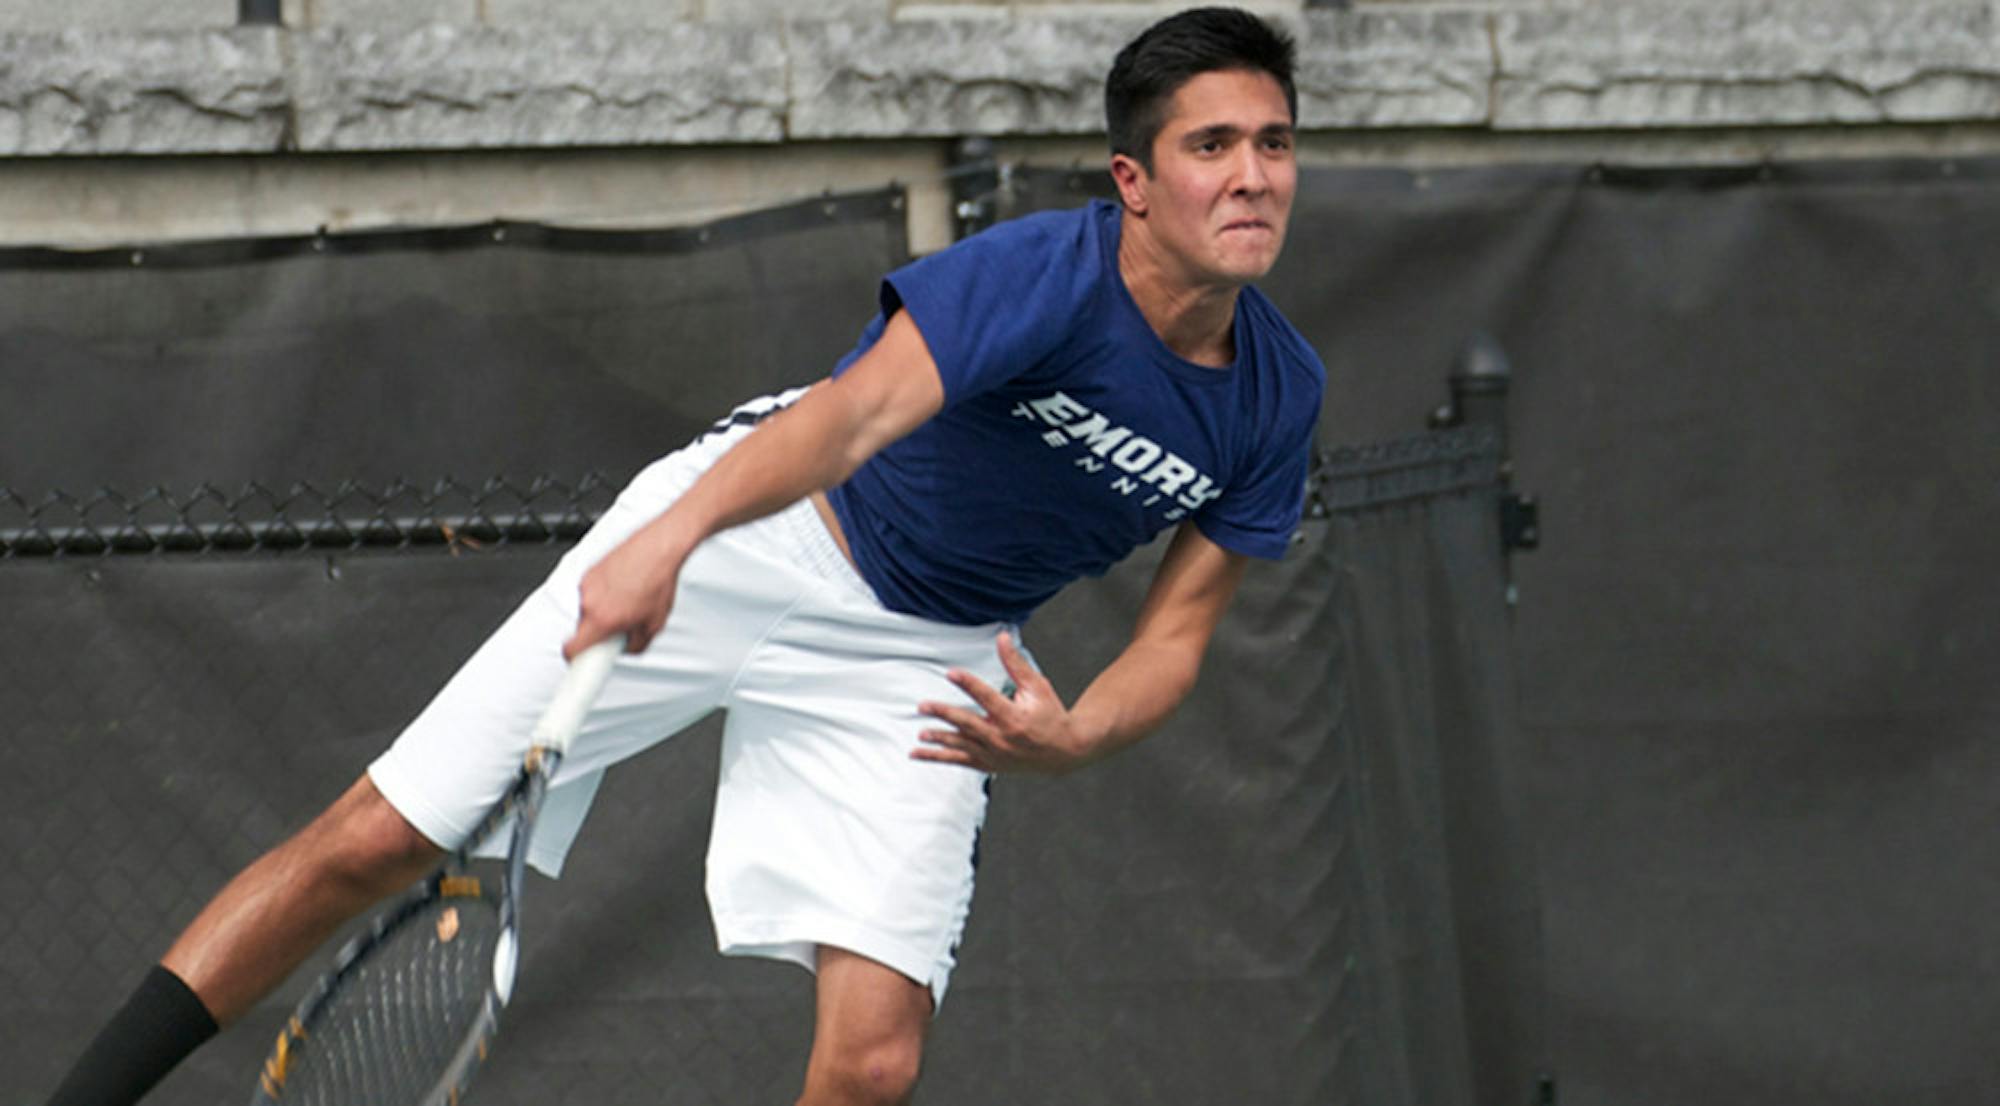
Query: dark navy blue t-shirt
(1070,434)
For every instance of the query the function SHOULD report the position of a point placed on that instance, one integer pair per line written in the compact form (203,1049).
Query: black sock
(157,1027)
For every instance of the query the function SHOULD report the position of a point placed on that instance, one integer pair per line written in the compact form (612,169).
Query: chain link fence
(192,675)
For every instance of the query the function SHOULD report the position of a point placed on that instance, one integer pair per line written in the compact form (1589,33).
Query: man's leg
(287,903)
(249,938)
(868,1036)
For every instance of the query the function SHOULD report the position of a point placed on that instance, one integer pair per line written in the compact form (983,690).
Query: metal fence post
(1479,384)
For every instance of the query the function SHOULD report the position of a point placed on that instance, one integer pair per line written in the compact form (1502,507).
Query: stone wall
(478,80)
(120,79)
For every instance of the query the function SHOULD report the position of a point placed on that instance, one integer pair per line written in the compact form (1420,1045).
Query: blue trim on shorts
(978,835)
(742,416)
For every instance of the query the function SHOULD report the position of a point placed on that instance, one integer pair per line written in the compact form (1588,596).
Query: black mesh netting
(1267,902)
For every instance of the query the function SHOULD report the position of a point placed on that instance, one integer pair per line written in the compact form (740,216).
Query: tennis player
(844,568)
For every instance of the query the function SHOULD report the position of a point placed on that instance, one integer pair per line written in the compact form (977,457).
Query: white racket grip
(564,715)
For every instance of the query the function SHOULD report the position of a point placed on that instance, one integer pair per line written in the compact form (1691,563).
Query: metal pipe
(1479,385)
(975,185)
(277,535)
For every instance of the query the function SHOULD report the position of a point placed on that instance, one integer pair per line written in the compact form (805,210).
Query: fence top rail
(258,519)
(542,510)
(1352,479)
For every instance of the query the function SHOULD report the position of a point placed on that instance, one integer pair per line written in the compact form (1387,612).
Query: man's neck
(1197,322)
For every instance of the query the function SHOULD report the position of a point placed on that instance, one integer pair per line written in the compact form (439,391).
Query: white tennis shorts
(826,832)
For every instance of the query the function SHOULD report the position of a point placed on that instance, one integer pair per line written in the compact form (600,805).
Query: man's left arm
(1034,732)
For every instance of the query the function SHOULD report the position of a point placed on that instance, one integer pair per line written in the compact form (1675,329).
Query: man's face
(1224,173)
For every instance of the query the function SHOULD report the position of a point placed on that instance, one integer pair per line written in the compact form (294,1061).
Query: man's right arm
(814,444)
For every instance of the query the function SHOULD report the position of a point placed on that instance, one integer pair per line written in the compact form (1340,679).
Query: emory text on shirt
(1142,463)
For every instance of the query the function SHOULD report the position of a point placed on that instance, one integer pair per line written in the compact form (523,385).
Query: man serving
(844,569)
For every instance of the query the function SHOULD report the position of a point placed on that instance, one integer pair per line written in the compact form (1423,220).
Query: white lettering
(1136,454)
(1204,490)
(1058,409)
(1099,434)
(1088,428)
(1171,474)
(1166,473)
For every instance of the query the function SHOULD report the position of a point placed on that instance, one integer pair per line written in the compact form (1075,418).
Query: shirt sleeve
(1258,515)
(995,305)
(1260,511)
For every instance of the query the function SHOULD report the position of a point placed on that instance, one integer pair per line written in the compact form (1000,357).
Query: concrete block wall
(849,93)
(179,76)
(26,15)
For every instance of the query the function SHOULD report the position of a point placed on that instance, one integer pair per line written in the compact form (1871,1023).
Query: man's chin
(1248,270)
(1244,265)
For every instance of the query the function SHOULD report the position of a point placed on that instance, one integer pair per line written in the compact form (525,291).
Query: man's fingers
(954,757)
(954,747)
(586,634)
(589,633)
(1015,661)
(970,723)
(949,739)
(983,693)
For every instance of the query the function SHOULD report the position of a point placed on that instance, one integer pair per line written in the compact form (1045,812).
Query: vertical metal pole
(1479,386)
(975,185)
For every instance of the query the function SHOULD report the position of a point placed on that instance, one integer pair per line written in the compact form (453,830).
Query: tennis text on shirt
(1139,465)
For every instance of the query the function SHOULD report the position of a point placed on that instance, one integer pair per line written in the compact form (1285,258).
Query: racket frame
(452,878)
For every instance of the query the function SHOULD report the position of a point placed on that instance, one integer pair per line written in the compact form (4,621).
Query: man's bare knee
(868,1041)
(883,1073)
(363,842)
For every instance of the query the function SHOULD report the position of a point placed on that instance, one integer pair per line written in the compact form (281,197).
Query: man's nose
(1252,176)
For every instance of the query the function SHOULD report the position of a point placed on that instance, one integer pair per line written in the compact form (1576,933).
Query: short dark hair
(1174,51)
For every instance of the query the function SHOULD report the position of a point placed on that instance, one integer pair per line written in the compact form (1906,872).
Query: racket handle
(580,685)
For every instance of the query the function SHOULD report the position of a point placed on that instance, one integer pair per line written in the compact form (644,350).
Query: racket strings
(402,1022)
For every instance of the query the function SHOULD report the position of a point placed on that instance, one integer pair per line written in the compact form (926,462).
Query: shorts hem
(794,940)
(407,799)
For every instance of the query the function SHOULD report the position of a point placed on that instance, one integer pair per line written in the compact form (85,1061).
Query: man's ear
(1132,180)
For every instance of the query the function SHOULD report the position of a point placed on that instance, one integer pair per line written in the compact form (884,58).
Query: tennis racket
(406,1014)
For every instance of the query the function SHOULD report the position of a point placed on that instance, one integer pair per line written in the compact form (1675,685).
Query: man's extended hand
(1030,732)
(629,592)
